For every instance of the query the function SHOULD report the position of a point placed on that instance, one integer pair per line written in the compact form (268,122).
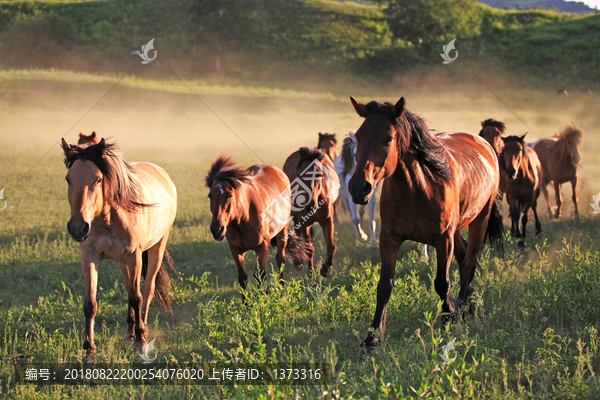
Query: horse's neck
(409,175)
(243,204)
(561,150)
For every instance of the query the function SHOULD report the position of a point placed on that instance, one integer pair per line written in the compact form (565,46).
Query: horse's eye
(67,179)
(389,140)
(99,181)
(229,195)
(209,196)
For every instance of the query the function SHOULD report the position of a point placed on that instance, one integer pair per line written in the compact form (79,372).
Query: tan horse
(87,140)
(559,156)
(523,170)
(123,212)
(315,188)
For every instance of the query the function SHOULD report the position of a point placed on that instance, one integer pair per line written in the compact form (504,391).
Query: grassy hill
(560,5)
(296,44)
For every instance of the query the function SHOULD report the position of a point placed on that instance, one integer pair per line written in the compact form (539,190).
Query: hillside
(560,5)
(296,44)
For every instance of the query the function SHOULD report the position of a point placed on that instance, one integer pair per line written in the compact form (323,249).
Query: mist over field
(256,80)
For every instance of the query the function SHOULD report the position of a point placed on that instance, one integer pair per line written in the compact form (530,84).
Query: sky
(592,3)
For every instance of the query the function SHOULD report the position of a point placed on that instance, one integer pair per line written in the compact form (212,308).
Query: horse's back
(467,150)
(291,164)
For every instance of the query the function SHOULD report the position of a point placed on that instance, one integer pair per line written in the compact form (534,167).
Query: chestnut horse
(315,188)
(251,208)
(328,143)
(523,170)
(435,186)
(87,140)
(123,212)
(559,156)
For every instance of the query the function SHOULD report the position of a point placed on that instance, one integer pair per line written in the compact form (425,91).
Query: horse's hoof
(90,348)
(364,238)
(374,245)
(522,244)
(326,271)
(577,218)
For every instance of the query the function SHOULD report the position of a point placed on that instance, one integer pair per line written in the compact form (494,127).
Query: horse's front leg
(388,249)
(524,221)
(444,249)
(372,223)
(515,214)
(89,263)
(132,271)
(559,200)
(575,198)
(238,257)
(130,335)
(328,232)
(262,255)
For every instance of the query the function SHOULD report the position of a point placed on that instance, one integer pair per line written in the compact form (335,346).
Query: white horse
(344,166)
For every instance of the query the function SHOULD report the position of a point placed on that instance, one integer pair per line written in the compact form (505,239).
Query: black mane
(414,136)
(308,155)
(495,123)
(223,169)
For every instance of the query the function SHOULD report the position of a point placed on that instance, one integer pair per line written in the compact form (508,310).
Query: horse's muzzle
(511,173)
(218,232)
(576,158)
(361,192)
(79,234)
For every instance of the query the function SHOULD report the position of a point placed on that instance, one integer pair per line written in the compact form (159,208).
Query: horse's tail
(163,286)
(296,248)
(495,229)
(338,206)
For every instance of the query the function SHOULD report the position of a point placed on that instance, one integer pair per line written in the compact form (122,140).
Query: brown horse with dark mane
(523,169)
(315,188)
(123,212)
(560,156)
(435,185)
(251,208)
(87,139)
(328,143)
(492,131)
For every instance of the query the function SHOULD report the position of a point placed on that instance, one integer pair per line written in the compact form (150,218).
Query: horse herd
(432,186)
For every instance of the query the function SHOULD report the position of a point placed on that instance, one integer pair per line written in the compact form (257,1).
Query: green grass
(533,333)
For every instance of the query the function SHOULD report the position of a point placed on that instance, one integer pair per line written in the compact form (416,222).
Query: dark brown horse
(559,156)
(315,188)
(523,169)
(251,208)
(123,212)
(328,143)
(87,140)
(492,131)
(435,186)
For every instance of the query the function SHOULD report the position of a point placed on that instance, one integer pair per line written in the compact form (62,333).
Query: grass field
(533,333)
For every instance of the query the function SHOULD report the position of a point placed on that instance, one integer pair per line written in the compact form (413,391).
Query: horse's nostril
(86,229)
(69,228)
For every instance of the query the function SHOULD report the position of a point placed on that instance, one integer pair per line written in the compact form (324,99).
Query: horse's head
(222,206)
(87,139)
(328,143)
(378,146)
(573,134)
(224,180)
(85,181)
(512,154)
(310,182)
(491,131)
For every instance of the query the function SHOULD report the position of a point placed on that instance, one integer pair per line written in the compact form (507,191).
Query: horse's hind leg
(262,254)
(328,232)
(547,196)
(155,257)
(575,199)
(538,225)
(444,249)
(132,270)
(460,252)
(559,200)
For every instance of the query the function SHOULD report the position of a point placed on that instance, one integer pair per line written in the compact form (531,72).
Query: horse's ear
(66,147)
(360,108)
(93,135)
(400,107)
(81,134)
(503,139)
(522,138)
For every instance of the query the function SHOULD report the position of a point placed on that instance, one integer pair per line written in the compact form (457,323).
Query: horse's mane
(120,185)
(348,153)
(571,130)
(308,155)
(326,136)
(223,169)
(417,140)
(501,126)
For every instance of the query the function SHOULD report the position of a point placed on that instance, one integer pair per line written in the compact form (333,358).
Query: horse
(562,93)
(523,170)
(434,186)
(492,131)
(327,143)
(315,188)
(344,167)
(120,211)
(251,208)
(560,157)
(87,140)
